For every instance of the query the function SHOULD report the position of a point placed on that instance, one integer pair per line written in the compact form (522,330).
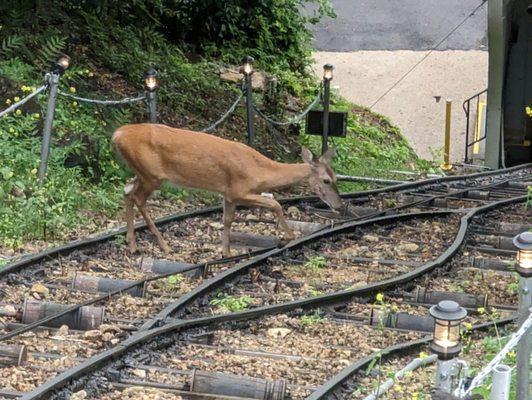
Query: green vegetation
(316,262)
(231,303)
(312,319)
(112,45)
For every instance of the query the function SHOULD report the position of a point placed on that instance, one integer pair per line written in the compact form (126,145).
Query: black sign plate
(337,123)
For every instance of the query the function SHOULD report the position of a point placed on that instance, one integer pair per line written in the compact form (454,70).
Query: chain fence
(20,103)
(488,369)
(229,111)
(126,100)
(293,120)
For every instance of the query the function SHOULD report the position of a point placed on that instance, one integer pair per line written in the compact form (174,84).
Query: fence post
(58,68)
(247,70)
(151,94)
(327,77)
(447,166)
(500,389)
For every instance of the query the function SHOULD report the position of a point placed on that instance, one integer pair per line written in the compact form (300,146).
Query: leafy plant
(316,262)
(230,303)
(313,319)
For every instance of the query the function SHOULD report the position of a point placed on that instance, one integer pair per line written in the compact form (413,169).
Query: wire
(429,53)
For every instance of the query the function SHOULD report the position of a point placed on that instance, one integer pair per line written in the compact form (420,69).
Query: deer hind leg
(129,191)
(142,193)
(229,216)
(271,204)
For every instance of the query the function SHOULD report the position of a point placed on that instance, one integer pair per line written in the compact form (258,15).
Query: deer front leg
(229,216)
(271,204)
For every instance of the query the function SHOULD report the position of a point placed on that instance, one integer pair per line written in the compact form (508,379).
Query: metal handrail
(466,105)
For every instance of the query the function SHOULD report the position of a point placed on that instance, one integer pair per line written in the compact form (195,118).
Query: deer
(157,153)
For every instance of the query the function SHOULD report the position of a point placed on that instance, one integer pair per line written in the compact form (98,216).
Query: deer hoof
(133,248)
(165,248)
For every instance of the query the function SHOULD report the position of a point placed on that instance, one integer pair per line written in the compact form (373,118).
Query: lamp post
(327,78)
(447,166)
(151,90)
(247,71)
(523,242)
(58,68)
(448,316)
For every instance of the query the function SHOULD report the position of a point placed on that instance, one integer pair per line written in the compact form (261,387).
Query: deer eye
(327,181)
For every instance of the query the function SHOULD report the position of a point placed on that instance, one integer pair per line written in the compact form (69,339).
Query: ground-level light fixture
(61,65)
(247,65)
(328,72)
(523,242)
(151,80)
(448,316)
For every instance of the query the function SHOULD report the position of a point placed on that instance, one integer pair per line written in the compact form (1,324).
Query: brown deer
(158,153)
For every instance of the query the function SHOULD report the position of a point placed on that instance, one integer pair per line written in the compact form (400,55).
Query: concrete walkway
(372,43)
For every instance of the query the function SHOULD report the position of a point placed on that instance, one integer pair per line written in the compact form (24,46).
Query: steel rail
(332,384)
(140,337)
(78,244)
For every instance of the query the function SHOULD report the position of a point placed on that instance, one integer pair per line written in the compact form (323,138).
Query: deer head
(322,179)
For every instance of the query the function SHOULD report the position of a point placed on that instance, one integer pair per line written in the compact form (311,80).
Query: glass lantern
(448,316)
(328,72)
(247,65)
(523,242)
(151,80)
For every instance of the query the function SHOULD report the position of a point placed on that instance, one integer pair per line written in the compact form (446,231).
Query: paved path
(372,43)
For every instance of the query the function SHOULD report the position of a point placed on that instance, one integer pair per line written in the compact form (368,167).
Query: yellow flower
(11,130)
(74,103)
(87,71)
(36,115)
(104,123)
(468,326)
(33,88)
(34,171)
(72,89)
(16,98)
(380,297)
(18,112)
(90,74)
(8,101)
(415,396)
(25,88)
(423,355)
(481,310)
(528,111)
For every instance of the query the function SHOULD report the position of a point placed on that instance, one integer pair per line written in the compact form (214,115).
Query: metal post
(326,104)
(524,348)
(47,130)
(444,375)
(152,105)
(500,389)
(250,113)
(446,166)
(466,157)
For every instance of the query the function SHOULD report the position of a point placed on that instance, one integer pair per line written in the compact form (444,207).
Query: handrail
(466,105)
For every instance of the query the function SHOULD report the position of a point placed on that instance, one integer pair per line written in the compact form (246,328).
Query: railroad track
(321,283)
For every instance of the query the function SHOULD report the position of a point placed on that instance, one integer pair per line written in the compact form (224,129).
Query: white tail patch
(268,195)
(131,185)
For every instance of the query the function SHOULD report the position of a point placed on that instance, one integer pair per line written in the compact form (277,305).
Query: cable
(429,53)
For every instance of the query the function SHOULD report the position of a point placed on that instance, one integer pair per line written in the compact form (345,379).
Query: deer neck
(284,175)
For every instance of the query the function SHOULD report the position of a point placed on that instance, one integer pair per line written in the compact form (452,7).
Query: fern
(48,53)
(11,44)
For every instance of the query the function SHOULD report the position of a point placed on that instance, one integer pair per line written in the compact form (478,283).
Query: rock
(94,334)
(252,217)
(370,238)
(278,332)
(233,75)
(40,289)
(82,394)
(408,247)
(109,328)
(63,330)
(107,337)
(293,212)
(141,373)
(216,225)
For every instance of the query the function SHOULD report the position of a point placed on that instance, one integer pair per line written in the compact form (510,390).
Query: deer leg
(229,216)
(129,190)
(271,204)
(141,196)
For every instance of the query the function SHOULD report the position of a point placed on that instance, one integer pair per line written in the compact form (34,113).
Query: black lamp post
(247,71)
(448,316)
(151,89)
(327,78)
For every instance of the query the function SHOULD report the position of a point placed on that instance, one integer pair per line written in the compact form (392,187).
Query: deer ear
(328,156)
(307,155)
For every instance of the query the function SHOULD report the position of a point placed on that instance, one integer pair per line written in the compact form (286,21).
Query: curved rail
(78,244)
(140,337)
